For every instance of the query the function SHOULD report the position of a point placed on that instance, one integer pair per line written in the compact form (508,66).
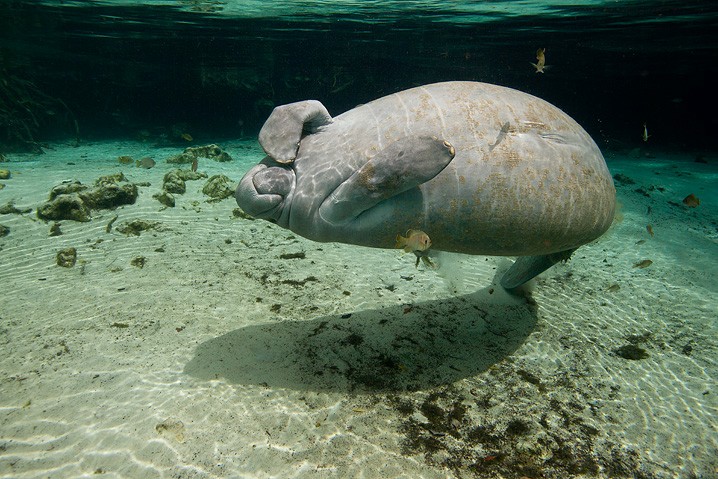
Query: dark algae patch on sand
(539,428)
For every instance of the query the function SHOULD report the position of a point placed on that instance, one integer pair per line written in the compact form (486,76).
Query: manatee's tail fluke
(528,267)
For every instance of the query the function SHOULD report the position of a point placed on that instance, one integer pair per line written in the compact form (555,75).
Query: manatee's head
(266,190)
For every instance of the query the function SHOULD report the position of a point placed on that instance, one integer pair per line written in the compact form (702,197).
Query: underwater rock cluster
(75,201)
(174,180)
(192,153)
(219,187)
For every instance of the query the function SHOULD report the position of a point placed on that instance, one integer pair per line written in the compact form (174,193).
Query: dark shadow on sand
(391,349)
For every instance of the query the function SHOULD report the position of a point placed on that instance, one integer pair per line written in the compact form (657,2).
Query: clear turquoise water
(242,350)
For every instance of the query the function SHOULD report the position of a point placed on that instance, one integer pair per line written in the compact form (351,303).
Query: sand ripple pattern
(242,350)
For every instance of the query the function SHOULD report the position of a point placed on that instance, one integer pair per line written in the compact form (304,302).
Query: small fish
(643,264)
(194,165)
(645,136)
(416,242)
(649,228)
(691,201)
(540,64)
(613,288)
(186,137)
(146,163)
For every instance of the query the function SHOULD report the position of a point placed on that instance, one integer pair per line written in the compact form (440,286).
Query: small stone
(55,229)
(219,187)
(4,231)
(165,198)
(139,262)
(135,227)
(11,209)
(174,183)
(67,257)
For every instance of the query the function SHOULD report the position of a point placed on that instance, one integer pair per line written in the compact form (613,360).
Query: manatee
(482,169)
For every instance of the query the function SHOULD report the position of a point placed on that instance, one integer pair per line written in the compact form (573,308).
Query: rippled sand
(222,358)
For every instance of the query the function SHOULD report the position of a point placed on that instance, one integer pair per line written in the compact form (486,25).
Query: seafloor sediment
(208,344)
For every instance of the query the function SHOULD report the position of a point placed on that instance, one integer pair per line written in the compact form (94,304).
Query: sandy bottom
(242,350)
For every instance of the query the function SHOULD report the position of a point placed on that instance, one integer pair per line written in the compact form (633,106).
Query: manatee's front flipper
(527,267)
(285,127)
(402,165)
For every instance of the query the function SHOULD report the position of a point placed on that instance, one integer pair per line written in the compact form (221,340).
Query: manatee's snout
(265,190)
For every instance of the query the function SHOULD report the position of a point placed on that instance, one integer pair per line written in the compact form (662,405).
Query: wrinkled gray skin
(482,169)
